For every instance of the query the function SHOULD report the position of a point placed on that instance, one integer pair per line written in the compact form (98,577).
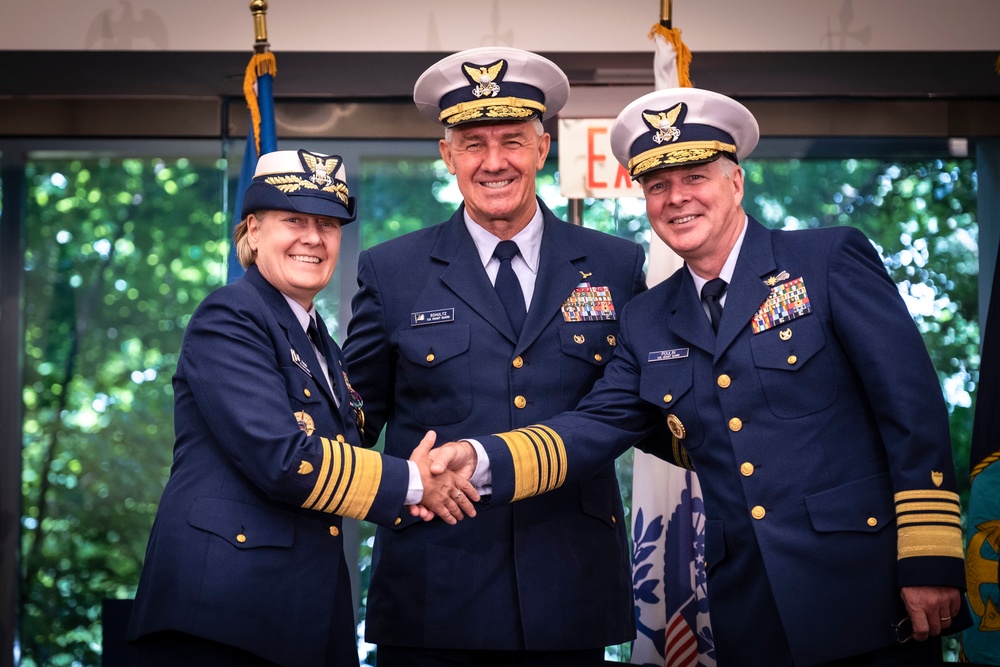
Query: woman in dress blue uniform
(245,563)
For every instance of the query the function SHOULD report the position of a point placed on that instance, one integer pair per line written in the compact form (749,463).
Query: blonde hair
(241,240)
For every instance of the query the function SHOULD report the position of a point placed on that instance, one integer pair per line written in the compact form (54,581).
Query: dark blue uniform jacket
(247,547)
(430,347)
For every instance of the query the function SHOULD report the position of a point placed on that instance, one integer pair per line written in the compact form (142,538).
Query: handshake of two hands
(445,473)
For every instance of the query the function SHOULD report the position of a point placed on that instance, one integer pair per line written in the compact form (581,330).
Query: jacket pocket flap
(592,342)
(244,526)
(434,345)
(787,347)
(663,383)
(600,498)
(864,505)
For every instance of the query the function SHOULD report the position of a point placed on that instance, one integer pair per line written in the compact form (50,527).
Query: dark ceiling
(146,93)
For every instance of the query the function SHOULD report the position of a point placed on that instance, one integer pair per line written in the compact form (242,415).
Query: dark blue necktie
(711,294)
(508,286)
(319,340)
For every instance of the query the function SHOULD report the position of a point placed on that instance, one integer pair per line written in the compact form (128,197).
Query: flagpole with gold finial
(672,36)
(257,81)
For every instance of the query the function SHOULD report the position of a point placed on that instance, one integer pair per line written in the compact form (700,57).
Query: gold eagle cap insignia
(663,123)
(484,76)
(321,166)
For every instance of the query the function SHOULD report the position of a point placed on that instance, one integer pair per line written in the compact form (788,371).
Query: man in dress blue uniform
(245,563)
(432,345)
(795,382)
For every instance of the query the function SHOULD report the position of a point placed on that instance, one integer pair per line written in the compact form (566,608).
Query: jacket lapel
(688,319)
(465,275)
(558,276)
(747,291)
(300,349)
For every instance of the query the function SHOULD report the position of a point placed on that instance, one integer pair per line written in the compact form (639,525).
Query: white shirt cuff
(415,489)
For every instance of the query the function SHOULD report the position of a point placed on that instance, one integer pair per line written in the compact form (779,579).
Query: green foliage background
(119,253)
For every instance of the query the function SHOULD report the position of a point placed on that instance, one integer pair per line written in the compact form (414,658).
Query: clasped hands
(445,473)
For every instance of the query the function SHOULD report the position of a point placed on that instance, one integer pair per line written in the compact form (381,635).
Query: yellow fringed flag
(672,59)
(259,74)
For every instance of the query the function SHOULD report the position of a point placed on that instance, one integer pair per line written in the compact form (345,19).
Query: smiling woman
(295,252)
(265,458)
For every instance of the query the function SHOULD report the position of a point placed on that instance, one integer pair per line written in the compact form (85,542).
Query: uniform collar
(529,239)
(304,317)
(728,268)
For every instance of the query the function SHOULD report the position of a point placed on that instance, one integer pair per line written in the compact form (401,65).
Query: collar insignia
(663,123)
(484,77)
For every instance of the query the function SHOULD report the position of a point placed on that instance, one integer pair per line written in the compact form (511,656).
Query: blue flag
(261,135)
(981,642)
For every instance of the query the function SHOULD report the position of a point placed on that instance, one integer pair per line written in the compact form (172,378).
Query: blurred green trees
(118,254)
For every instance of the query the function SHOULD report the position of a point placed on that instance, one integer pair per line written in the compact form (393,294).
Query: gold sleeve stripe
(907,519)
(337,468)
(324,470)
(539,458)
(927,494)
(348,480)
(343,466)
(947,507)
(556,452)
(915,541)
(928,523)
(547,468)
(358,496)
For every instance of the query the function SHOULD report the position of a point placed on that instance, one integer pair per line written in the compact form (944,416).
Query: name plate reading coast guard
(432,317)
(667,355)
